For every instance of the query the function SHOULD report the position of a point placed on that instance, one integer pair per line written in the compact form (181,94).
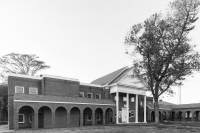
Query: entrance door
(123,114)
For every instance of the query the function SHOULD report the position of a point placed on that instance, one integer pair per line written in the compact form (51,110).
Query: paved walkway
(4,129)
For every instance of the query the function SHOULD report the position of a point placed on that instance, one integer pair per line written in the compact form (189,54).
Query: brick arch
(99,112)
(80,109)
(109,116)
(19,107)
(60,106)
(46,105)
(60,117)
(88,113)
(75,116)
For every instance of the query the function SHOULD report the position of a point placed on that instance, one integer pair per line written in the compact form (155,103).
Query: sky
(82,39)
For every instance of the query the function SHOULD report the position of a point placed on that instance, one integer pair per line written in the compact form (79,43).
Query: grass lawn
(148,128)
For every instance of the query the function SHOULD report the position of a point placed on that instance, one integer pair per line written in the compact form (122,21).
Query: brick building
(58,102)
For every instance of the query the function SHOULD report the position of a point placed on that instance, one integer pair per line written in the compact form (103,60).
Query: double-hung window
(19,89)
(21,118)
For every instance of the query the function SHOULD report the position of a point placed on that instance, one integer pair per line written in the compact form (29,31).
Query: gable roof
(121,75)
(109,77)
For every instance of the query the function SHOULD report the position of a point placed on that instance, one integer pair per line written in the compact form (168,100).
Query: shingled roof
(75,100)
(109,77)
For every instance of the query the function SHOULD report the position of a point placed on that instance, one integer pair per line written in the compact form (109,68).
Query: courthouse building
(59,102)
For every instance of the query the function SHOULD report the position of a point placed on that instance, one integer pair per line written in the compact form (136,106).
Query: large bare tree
(162,51)
(27,64)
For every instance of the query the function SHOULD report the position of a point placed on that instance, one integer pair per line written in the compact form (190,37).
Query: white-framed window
(131,113)
(33,90)
(19,89)
(98,96)
(132,99)
(21,118)
(89,117)
(98,117)
(30,118)
(124,98)
(89,95)
(81,94)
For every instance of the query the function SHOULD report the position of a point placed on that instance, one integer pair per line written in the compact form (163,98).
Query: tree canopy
(27,64)
(162,51)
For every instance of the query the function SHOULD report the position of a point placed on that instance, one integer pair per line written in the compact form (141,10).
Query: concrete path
(4,129)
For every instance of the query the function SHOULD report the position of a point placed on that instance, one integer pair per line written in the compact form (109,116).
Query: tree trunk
(156,108)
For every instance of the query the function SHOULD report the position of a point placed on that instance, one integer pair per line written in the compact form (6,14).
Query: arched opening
(196,116)
(75,117)
(45,117)
(160,117)
(152,116)
(98,116)
(60,117)
(109,116)
(169,115)
(164,114)
(25,117)
(87,116)
(179,116)
(188,116)
(173,115)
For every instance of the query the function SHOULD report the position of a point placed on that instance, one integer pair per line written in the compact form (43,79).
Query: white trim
(94,85)
(20,87)
(91,95)
(33,88)
(117,75)
(30,116)
(135,87)
(24,76)
(59,77)
(99,96)
(22,117)
(61,102)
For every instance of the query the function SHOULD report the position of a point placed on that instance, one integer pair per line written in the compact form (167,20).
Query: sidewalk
(4,129)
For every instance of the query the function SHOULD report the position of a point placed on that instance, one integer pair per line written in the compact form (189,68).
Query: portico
(127,99)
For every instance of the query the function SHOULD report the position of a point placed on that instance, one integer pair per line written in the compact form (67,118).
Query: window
(30,118)
(19,89)
(33,90)
(124,98)
(132,99)
(98,96)
(131,113)
(21,118)
(125,105)
(89,117)
(98,117)
(81,94)
(89,95)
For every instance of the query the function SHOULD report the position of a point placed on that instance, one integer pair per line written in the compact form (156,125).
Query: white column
(117,107)
(127,108)
(145,115)
(136,109)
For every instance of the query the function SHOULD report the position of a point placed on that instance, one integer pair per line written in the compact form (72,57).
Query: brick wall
(58,87)
(93,90)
